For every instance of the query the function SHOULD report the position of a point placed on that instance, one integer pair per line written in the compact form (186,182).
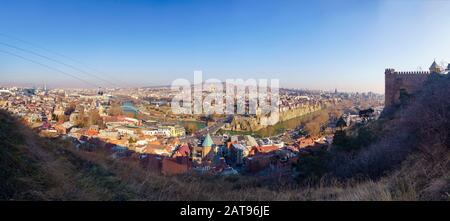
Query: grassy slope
(34,168)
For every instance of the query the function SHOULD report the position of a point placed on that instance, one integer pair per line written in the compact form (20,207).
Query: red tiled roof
(183,151)
(263,149)
(91,132)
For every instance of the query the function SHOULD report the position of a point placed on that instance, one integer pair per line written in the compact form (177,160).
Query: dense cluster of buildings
(94,120)
(90,121)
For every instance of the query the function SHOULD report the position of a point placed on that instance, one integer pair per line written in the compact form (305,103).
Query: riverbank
(277,129)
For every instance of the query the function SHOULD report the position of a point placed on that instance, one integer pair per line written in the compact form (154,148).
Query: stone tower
(406,82)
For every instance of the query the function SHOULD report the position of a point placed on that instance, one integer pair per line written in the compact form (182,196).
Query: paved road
(211,129)
(215,127)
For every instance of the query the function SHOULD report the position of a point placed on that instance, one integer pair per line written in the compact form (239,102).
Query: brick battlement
(393,71)
(412,72)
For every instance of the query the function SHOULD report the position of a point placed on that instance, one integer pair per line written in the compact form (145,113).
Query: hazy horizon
(318,45)
(71,87)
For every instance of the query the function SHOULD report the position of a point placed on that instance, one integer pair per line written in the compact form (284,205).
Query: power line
(59,54)
(56,61)
(49,67)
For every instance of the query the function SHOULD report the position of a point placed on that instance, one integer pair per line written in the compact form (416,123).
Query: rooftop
(207,142)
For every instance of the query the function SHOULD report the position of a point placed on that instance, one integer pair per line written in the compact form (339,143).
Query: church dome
(207,142)
(435,68)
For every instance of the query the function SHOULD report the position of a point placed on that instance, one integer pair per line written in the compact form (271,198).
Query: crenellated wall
(395,81)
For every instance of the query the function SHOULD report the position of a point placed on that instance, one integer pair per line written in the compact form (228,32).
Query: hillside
(402,156)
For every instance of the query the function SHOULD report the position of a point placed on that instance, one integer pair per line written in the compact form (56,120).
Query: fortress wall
(253,123)
(396,81)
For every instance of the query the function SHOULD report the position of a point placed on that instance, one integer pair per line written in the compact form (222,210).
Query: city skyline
(321,45)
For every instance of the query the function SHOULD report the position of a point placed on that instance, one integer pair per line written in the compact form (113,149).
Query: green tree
(341,140)
(341,123)
(131,140)
(312,167)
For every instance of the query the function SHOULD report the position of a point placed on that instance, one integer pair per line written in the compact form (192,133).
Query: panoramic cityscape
(137,124)
(224,100)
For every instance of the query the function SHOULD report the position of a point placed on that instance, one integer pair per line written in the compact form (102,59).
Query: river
(128,107)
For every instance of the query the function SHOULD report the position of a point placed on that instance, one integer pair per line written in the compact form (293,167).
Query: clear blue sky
(330,44)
